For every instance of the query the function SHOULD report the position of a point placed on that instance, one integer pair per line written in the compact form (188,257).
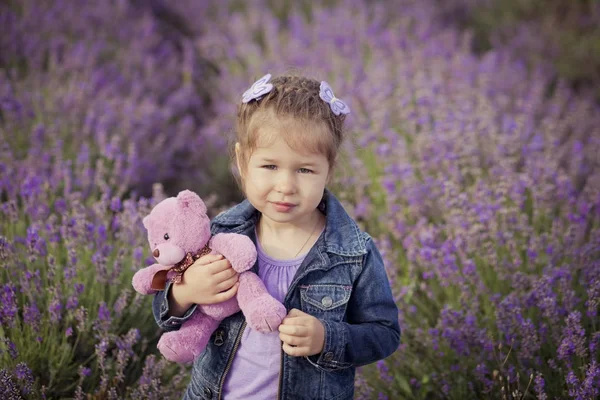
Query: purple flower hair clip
(337,106)
(258,89)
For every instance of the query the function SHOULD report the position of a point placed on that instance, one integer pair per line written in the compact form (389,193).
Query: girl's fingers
(295,351)
(293,340)
(294,330)
(208,259)
(294,312)
(219,266)
(223,275)
(226,284)
(296,321)
(228,294)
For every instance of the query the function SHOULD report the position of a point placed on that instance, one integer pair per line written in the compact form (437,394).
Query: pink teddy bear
(179,229)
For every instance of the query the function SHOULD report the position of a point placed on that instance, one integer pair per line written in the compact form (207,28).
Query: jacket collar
(342,235)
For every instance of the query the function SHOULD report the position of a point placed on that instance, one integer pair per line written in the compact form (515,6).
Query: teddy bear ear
(145,221)
(189,199)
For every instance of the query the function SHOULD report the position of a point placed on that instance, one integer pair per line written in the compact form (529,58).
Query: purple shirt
(254,373)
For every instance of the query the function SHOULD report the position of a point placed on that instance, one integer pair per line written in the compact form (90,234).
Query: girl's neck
(268,226)
(288,240)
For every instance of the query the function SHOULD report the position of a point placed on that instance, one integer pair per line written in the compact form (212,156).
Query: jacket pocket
(325,301)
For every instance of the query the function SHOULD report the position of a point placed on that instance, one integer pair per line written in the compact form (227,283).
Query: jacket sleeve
(160,309)
(371,331)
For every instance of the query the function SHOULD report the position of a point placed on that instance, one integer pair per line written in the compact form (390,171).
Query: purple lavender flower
(8,387)
(24,374)
(591,384)
(539,387)
(103,312)
(8,305)
(55,307)
(84,371)
(11,348)
(32,315)
(573,340)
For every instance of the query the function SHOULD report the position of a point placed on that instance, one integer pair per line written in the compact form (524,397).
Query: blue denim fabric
(342,281)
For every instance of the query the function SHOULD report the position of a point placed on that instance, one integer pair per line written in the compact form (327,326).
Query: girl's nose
(285,184)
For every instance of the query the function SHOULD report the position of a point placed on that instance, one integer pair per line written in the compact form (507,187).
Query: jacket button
(328,356)
(327,301)
(208,392)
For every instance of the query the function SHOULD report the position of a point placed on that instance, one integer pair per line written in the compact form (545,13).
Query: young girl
(311,255)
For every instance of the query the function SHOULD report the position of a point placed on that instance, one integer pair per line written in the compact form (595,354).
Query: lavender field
(478,175)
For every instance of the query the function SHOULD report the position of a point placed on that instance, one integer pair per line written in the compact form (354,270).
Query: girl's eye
(166,236)
(305,171)
(269,166)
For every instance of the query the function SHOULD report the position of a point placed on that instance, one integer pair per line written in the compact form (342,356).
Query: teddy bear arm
(262,311)
(142,279)
(238,249)
(251,288)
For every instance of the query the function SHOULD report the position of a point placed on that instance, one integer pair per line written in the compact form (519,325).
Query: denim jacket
(342,282)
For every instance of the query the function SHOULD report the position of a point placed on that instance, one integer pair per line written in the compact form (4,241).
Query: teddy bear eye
(166,236)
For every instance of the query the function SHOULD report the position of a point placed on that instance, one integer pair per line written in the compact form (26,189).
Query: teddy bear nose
(156,253)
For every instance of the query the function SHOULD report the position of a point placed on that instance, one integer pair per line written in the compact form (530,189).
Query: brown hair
(295,101)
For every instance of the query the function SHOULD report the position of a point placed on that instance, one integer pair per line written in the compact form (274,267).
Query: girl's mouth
(283,207)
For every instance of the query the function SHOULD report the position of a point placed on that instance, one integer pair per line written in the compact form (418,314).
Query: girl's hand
(301,334)
(209,280)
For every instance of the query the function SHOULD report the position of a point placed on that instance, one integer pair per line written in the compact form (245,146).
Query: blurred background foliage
(563,36)
(472,159)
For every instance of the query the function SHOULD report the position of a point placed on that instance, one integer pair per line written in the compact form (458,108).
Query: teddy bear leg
(262,311)
(184,345)
(171,348)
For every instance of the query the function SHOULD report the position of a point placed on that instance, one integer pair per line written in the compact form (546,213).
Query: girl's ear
(238,152)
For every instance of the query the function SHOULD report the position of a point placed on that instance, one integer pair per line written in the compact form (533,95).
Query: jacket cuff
(330,359)
(166,322)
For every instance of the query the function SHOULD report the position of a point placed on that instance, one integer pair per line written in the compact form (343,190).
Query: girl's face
(284,184)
